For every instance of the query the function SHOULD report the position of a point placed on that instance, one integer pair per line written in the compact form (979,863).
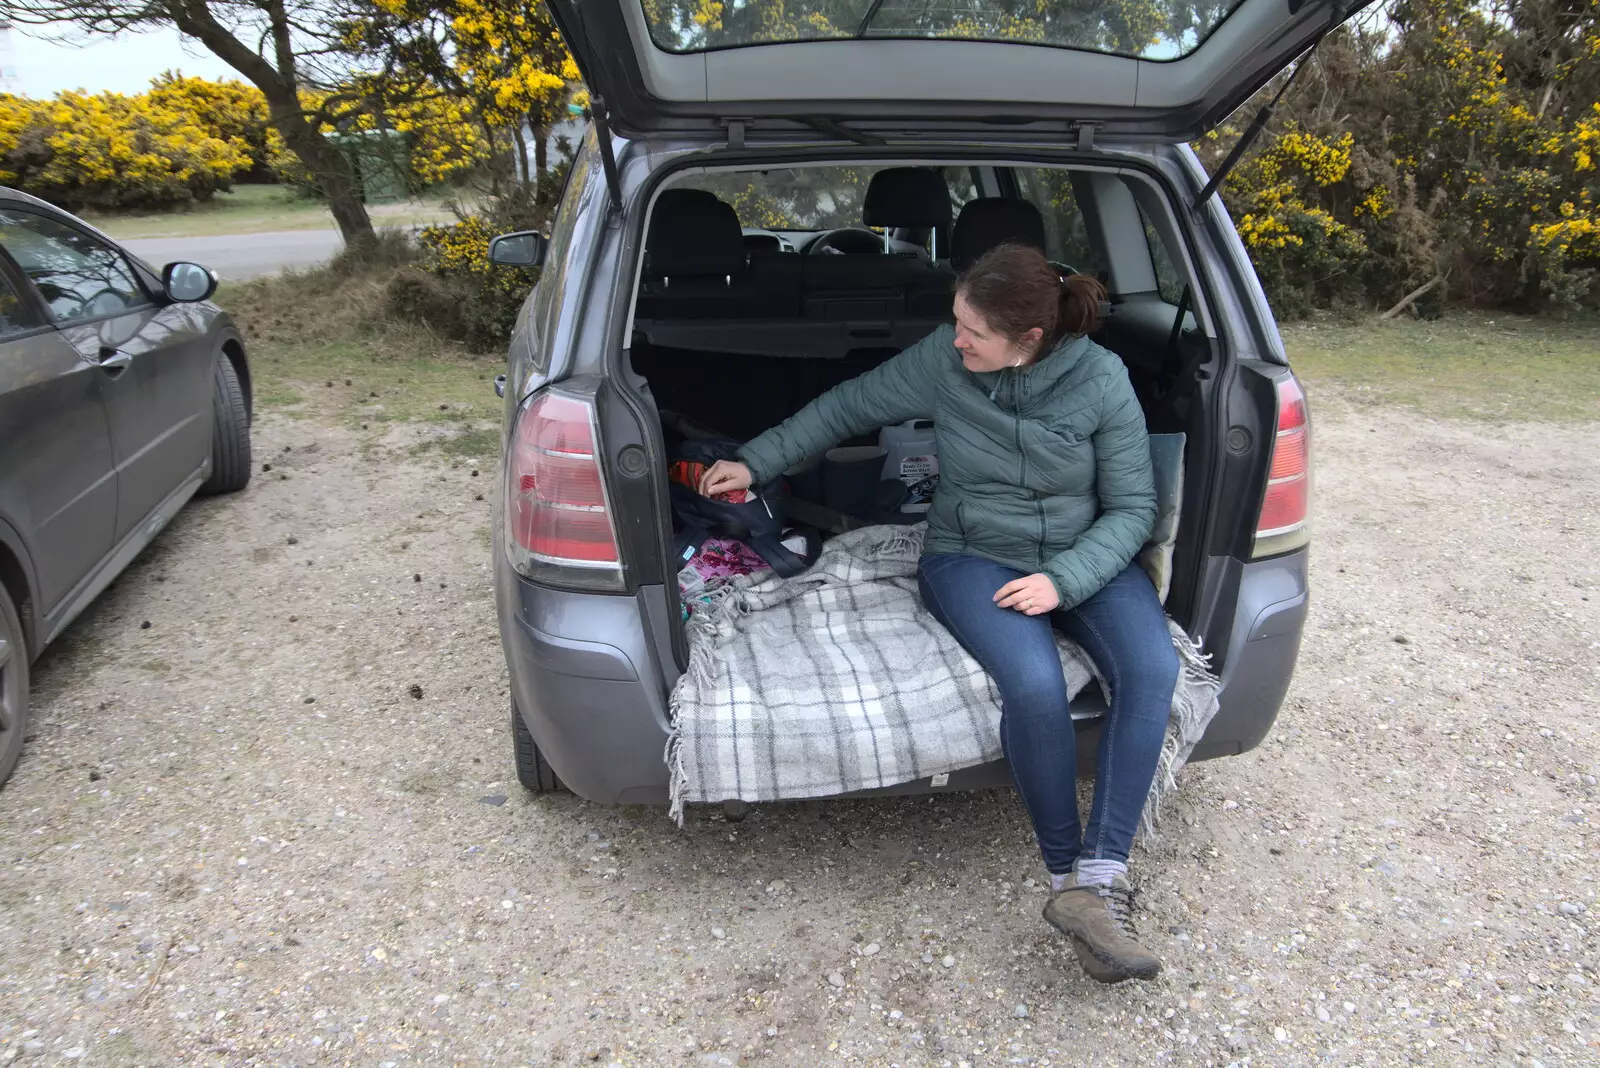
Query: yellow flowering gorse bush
(108,150)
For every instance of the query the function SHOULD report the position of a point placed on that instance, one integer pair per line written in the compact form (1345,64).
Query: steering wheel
(849,241)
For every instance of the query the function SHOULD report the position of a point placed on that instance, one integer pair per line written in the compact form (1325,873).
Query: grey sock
(1058,883)
(1096,872)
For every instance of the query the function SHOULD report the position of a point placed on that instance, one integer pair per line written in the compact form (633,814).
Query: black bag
(759,522)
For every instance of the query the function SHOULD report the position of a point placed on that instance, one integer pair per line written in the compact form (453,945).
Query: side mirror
(186,283)
(525,248)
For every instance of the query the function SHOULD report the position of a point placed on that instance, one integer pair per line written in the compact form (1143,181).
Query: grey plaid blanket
(839,679)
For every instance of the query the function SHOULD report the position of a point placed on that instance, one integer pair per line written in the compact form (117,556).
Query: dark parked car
(123,392)
(768,206)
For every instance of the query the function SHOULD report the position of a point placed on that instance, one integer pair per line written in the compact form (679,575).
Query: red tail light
(556,509)
(1285,509)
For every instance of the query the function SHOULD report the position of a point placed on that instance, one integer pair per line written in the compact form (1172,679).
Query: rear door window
(1169,279)
(1066,238)
(552,284)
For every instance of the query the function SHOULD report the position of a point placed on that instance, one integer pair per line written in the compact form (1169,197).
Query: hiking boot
(1100,973)
(1099,920)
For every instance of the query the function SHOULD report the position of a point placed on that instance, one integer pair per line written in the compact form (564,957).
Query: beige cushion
(1166,456)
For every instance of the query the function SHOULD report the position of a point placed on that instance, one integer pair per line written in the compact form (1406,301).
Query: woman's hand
(725,476)
(1032,595)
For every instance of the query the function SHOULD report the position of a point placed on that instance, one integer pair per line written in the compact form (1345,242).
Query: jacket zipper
(1022,456)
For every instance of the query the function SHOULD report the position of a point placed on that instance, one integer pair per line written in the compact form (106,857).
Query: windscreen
(1148,29)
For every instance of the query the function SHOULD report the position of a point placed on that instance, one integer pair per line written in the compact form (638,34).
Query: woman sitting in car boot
(1045,497)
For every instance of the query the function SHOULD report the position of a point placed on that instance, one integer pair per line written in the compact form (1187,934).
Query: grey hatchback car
(123,392)
(772,202)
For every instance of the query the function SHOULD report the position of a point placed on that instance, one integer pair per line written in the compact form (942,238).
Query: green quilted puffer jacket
(1044,468)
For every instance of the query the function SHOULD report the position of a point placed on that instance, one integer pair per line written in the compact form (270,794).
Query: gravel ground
(268,817)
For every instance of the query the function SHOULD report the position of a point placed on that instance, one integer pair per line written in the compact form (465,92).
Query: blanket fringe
(722,607)
(1194,703)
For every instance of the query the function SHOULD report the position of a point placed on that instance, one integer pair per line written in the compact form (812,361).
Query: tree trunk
(331,170)
(495,171)
(541,148)
(522,153)
(280,84)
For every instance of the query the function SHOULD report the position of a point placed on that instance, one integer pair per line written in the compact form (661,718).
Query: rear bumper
(1262,647)
(591,674)
(591,684)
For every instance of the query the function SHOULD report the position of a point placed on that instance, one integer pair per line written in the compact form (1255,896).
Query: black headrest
(694,233)
(986,222)
(907,196)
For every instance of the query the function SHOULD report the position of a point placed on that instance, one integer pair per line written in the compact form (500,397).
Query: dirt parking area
(268,816)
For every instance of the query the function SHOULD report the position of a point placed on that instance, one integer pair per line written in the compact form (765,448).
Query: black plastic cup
(805,481)
(850,478)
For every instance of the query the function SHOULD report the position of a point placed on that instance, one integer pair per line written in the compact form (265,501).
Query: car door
(58,486)
(155,358)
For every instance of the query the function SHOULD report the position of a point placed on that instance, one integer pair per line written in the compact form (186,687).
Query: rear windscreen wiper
(866,20)
(839,130)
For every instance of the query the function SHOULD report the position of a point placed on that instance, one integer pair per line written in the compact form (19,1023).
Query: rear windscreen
(1148,29)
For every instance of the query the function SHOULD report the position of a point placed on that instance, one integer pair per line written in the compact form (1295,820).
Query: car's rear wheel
(532,771)
(230,433)
(13,687)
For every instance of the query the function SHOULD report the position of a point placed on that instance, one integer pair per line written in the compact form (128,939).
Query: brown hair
(1016,289)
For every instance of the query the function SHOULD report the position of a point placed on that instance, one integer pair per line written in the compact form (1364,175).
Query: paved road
(236,257)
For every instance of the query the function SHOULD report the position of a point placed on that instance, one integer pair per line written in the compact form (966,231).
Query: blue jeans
(1124,631)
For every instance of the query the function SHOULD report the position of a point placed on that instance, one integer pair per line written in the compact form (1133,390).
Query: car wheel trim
(13,689)
(7,651)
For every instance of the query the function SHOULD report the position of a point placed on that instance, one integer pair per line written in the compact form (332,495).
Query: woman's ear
(1033,338)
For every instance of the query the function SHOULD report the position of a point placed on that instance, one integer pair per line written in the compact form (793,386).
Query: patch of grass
(278,395)
(376,382)
(1494,368)
(465,441)
(322,342)
(254,209)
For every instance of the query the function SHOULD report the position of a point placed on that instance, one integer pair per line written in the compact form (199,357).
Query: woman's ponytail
(1081,298)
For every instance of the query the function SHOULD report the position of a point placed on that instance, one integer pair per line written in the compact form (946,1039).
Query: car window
(1169,279)
(963,182)
(553,276)
(14,318)
(79,277)
(1149,31)
(811,198)
(1066,238)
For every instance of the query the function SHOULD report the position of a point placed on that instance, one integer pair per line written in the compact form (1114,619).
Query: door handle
(114,361)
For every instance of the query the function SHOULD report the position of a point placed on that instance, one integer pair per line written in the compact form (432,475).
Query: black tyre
(230,433)
(532,771)
(13,687)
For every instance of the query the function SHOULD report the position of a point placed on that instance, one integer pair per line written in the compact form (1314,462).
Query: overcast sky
(124,64)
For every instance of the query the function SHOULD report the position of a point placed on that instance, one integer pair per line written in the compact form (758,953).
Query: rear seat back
(695,265)
(989,221)
(888,284)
